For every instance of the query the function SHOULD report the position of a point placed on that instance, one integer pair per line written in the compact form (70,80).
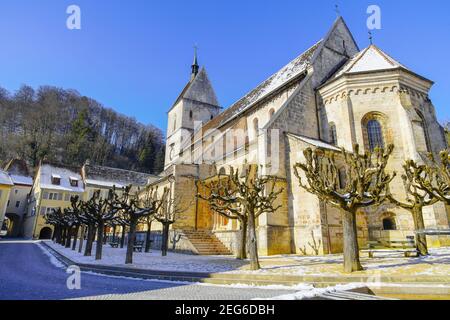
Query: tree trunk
(104,234)
(122,240)
(419,225)
(252,243)
(63,236)
(100,235)
(242,254)
(81,239)
(148,242)
(114,233)
(351,248)
(75,238)
(131,239)
(55,234)
(58,235)
(89,240)
(69,237)
(165,239)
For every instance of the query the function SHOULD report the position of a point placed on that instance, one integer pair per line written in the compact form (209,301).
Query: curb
(257,279)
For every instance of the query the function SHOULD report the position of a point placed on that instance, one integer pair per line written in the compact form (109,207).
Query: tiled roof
(5,179)
(47,170)
(108,177)
(292,70)
(370,59)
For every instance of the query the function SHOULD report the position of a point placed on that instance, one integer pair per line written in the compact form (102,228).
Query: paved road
(26,273)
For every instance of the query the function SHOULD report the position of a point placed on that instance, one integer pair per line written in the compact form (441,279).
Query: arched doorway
(45,234)
(14,226)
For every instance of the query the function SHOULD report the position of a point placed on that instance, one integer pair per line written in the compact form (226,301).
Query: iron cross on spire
(336,8)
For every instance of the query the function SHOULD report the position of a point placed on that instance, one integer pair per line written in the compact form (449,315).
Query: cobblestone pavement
(26,273)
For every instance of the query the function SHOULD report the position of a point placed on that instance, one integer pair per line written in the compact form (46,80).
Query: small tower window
(256,127)
(423,125)
(271,113)
(191,115)
(333,134)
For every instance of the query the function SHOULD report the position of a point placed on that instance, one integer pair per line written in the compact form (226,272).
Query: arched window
(374,135)
(174,123)
(191,115)
(389,224)
(333,134)
(342,178)
(423,125)
(256,126)
(271,113)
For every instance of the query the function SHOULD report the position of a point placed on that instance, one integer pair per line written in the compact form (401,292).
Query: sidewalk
(286,270)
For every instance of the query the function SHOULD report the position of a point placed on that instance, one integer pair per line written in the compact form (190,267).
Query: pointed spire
(195,67)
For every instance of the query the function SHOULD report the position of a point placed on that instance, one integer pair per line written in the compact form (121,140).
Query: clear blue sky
(134,56)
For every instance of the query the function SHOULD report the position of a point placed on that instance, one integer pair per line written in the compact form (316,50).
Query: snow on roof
(106,184)
(47,171)
(22,180)
(108,177)
(5,179)
(315,142)
(56,176)
(293,69)
(73,178)
(370,59)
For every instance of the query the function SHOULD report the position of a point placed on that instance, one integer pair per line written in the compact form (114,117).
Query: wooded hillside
(63,126)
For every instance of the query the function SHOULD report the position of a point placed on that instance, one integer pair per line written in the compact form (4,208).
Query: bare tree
(169,211)
(245,198)
(366,184)
(148,241)
(437,180)
(135,209)
(414,177)
(101,211)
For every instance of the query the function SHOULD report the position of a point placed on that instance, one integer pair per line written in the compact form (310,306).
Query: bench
(408,247)
(138,246)
(114,244)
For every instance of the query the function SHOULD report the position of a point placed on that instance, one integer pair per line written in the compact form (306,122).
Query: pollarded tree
(170,209)
(437,184)
(222,200)
(414,177)
(134,209)
(366,184)
(101,211)
(245,198)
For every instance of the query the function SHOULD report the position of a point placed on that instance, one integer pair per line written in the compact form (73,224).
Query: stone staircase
(206,243)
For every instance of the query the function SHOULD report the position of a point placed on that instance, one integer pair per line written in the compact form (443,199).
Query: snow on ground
(308,293)
(52,258)
(154,260)
(393,264)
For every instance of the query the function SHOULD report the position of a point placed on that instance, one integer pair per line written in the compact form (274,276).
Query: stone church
(333,95)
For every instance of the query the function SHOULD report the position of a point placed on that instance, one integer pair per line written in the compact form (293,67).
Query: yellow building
(53,187)
(5,189)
